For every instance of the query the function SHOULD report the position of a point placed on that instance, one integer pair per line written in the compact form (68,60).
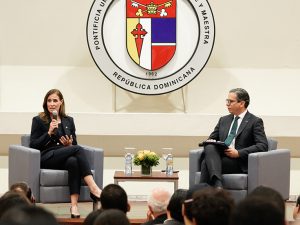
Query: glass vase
(146,170)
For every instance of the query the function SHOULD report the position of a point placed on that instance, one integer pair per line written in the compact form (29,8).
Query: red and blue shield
(151,32)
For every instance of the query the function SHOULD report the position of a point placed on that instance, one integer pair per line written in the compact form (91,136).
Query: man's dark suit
(158,220)
(250,138)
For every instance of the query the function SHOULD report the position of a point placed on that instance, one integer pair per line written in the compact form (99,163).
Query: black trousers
(73,159)
(215,163)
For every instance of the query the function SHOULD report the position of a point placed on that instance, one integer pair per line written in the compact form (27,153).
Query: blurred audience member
(296,212)
(157,206)
(91,217)
(113,196)
(187,204)
(257,210)
(112,217)
(174,215)
(29,215)
(269,194)
(212,206)
(23,187)
(12,199)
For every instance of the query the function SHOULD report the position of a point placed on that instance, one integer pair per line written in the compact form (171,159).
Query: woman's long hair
(45,116)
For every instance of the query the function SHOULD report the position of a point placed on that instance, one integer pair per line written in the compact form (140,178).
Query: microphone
(201,144)
(54,116)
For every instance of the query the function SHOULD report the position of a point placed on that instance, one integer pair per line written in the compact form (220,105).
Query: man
(242,134)
(113,196)
(257,210)
(157,206)
(211,207)
(174,215)
(186,208)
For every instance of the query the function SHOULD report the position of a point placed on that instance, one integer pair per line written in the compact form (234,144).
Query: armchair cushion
(50,177)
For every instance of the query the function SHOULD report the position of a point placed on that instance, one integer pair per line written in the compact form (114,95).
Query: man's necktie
(232,132)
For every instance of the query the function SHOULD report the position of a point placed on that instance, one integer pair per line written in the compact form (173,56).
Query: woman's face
(53,103)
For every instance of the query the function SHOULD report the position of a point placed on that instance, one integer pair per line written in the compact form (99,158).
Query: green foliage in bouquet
(146,158)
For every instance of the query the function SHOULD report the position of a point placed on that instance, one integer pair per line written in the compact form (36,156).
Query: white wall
(43,45)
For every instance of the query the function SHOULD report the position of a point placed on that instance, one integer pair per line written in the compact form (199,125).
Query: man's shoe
(218,184)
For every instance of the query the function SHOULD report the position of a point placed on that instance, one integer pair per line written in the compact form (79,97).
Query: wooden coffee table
(157,176)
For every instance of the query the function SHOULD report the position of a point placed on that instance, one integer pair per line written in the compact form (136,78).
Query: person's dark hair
(257,210)
(22,187)
(30,215)
(12,199)
(189,198)
(91,217)
(175,203)
(212,206)
(113,196)
(45,116)
(112,217)
(242,95)
(298,201)
(8,223)
(270,195)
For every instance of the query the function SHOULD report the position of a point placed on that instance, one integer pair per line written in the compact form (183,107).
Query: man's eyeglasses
(229,101)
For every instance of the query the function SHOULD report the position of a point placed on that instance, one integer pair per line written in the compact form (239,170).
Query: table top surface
(156,175)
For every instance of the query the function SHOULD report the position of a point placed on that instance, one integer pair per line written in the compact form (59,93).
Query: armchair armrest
(95,157)
(270,169)
(194,165)
(24,165)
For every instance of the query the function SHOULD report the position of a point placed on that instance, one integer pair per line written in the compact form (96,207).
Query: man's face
(233,106)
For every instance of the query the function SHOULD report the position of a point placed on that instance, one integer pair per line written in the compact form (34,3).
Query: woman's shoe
(94,197)
(74,215)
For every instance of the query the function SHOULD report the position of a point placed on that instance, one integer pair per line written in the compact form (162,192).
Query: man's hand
(232,153)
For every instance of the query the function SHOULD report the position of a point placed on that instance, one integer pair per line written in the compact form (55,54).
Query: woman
(53,133)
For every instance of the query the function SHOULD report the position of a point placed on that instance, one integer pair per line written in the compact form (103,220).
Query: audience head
(12,199)
(296,211)
(187,204)
(113,196)
(257,210)
(29,215)
(270,195)
(8,223)
(112,217)
(22,187)
(91,217)
(158,201)
(212,206)
(175,203)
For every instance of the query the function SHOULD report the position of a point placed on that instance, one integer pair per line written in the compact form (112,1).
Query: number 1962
(151,73)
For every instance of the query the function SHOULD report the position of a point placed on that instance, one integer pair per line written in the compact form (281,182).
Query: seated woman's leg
(74,180)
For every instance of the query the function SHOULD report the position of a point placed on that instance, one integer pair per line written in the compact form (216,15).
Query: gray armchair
(271,168)
(49,186)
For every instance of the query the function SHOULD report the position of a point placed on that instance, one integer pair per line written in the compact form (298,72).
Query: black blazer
(40,139)
(250,136)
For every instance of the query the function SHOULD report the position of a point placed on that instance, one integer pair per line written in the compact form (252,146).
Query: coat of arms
(151,32)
